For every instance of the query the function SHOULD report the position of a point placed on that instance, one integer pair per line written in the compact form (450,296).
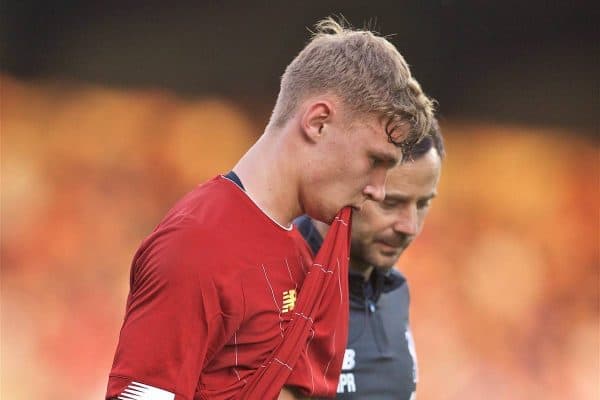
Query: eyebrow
(388,158)
(400,197)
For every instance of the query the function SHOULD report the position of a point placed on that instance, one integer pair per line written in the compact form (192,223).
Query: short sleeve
(173,322)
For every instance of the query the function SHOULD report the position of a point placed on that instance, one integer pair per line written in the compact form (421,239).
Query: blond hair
(364,70)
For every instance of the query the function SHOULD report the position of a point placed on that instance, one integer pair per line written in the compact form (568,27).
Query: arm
(172,319)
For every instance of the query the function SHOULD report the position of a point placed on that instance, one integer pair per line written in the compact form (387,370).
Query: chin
(385,262)
(321,214)
(386,269)
(328,219)
(384,266)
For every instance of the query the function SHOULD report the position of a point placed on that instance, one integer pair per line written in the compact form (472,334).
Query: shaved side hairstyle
(365,71)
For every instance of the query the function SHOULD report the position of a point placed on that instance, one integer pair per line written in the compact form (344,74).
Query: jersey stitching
(312,379)
(340,281)
(290,272)
(282,363)
(324,268)
(302,265)
(330,360)
(235,344)
(274,299)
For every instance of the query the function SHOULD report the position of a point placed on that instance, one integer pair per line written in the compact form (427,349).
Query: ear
(315,117)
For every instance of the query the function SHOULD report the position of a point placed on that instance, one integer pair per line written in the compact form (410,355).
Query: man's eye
(388,205)
(423,204)
(377,162)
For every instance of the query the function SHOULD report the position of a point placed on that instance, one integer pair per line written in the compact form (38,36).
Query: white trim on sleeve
(141,391)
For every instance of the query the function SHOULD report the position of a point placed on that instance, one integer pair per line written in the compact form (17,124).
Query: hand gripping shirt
(212,290)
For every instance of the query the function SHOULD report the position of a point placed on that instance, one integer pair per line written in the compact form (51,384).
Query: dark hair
(432,139)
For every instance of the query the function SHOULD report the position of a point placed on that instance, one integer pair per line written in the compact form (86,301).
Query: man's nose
(407,220)
(375,190)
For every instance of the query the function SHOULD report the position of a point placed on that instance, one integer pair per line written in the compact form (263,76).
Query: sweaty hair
(433,139)
(365,71)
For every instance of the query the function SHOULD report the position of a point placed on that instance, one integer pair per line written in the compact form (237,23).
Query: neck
(270,179)
(364,269)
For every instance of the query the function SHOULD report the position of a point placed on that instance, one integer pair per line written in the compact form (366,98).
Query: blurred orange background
(504,279)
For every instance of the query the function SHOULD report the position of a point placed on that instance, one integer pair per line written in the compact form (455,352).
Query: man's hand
(288,394)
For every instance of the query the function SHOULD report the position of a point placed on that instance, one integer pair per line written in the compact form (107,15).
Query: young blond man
(216,288)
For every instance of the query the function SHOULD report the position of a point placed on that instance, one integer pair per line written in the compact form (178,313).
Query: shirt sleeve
(173,322)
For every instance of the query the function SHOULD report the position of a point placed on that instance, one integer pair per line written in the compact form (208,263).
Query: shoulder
(186,266)
(192,237)
(394,280)
(207,200)
(394,289)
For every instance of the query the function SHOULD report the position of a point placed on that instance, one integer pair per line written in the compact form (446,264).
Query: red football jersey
(311,354)
(212,290)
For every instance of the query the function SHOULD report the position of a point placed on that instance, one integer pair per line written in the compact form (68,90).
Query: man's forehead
(382,146)
(423,173)
(395,131)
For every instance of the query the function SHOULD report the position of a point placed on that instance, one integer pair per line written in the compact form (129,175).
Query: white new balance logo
(140,391)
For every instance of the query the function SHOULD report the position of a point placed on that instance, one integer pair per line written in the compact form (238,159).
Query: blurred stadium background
(110,112)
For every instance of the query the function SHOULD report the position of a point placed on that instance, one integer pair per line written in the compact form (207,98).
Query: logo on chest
(289,300)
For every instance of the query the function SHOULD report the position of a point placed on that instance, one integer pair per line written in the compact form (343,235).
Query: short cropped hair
(433,139)
(365,71)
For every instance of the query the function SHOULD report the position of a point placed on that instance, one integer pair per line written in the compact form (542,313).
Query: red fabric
(205,308)
(315,339)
